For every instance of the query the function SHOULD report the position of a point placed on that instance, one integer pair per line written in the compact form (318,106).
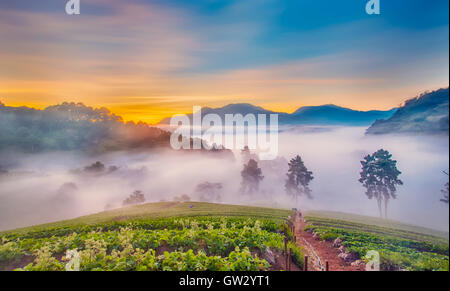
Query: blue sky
(167,55)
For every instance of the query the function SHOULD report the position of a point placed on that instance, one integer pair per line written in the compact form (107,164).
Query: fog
(53,186)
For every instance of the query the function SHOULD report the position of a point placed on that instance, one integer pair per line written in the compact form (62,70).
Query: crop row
(326,222)
(395,253)
(219,244)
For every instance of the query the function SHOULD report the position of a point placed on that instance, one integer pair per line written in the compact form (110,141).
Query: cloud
(150,54)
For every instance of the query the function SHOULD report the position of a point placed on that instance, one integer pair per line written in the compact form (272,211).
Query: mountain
(239,108)
(310,115)
(334,115)
(425,114)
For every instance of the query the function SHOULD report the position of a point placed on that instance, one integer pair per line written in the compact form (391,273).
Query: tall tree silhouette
(445,191)
(379,175)
(298,179)
(251,176)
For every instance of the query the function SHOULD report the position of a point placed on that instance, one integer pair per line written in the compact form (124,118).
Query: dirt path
(319,252)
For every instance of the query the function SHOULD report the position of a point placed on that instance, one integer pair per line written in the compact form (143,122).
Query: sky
(149,59)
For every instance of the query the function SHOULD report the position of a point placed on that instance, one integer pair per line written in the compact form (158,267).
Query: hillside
(193,209)
(206,236)
(410,229)
(158,237)
(77,127)
(73,126)
(164,210)
(425,114)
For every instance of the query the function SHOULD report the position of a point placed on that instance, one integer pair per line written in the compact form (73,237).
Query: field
(401,246)
(162,236)
(205,236)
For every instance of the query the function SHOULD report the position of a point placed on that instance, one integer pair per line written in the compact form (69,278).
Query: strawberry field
(168,244)
(398,249)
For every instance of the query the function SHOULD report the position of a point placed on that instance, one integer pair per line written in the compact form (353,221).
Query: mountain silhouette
(309,115)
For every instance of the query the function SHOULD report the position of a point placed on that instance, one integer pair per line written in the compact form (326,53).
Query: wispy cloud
(146,59)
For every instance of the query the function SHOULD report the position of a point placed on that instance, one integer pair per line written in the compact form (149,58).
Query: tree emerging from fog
(209,191)
(251,177)
(136,198)
(298,179)
(379,175)
(99,168)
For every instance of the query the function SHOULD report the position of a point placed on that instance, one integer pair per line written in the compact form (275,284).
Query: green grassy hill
(163,210)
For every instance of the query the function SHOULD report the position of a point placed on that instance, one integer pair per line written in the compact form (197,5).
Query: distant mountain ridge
(309,115)
(427,113)
(334,115)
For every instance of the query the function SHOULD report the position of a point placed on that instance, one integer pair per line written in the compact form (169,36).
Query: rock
(348,257)
(357,263)
(316,236)
(337,242)
(342,249)
(269,256)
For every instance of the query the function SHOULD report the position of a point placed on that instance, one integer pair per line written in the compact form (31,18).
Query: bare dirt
(21,263)
(324,250)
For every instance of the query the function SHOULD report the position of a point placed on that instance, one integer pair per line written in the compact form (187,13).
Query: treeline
(73,126)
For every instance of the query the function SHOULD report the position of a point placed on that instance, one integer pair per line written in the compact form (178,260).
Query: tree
(209,191)
(135,198)
(96,167)
(445,191)
(74,126)
(298,179)
(379,175)
(251,176)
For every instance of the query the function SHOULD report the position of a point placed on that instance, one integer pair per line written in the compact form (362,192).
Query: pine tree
(379,175)
(445,192)
(251,176)
(298,179)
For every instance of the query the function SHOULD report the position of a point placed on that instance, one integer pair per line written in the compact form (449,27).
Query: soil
(12,265)
(280,263)
(324,250)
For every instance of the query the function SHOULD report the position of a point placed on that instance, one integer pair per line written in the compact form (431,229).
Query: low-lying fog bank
(47,187)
